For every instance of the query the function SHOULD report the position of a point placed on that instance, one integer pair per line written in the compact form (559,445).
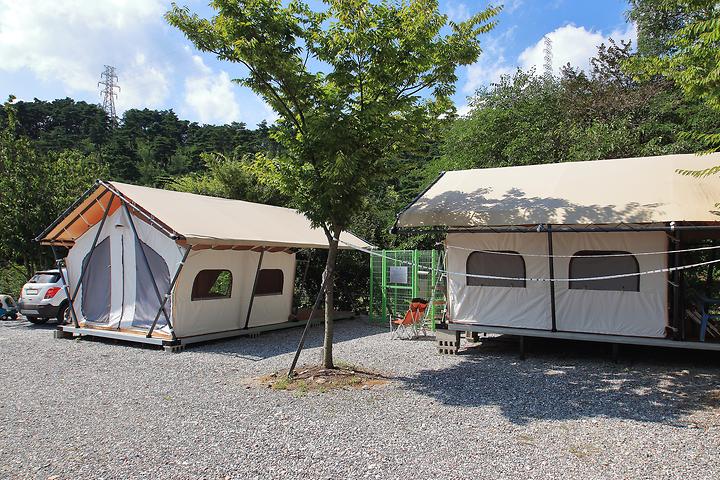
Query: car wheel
(37,320)
(62,317)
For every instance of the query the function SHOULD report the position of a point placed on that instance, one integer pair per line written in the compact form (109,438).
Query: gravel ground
(96,409)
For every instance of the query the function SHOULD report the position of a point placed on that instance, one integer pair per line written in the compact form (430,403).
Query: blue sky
(53,48)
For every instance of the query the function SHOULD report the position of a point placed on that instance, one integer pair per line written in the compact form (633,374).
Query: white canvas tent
(167,267)
(568,221)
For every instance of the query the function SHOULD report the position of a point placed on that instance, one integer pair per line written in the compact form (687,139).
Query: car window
(45,278)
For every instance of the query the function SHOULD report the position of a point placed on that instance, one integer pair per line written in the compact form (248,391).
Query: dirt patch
(314,378)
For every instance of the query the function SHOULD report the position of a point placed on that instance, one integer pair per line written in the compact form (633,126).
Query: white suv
(43,297)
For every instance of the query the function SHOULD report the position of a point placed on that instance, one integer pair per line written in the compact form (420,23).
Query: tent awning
(194,219)
(643,190)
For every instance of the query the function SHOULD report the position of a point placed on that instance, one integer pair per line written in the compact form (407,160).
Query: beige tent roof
(195,219)
(628,190)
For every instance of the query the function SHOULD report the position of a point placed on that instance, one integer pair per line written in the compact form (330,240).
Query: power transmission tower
(108,79)
(548,56)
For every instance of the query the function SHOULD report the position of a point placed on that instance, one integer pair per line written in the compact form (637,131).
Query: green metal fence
(397,276)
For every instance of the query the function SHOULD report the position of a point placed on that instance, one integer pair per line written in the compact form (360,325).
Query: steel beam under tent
(631,205)
(172,236)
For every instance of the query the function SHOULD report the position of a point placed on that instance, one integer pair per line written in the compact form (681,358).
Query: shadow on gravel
(271,344)
(563,380)
(24,324)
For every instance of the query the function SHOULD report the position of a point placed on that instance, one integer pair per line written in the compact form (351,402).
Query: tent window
(270,282)
(211,284)
(491,264)
(584,266)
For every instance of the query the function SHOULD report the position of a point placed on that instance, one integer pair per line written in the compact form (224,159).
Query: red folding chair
(406,327)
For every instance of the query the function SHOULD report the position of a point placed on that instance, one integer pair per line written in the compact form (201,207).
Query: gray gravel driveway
(74,409)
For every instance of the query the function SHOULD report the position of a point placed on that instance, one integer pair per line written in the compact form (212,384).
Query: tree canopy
(351,83)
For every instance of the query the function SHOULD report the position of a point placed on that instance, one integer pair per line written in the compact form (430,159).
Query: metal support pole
(434,283)
(371,308)
(307,326)
(252,297)
(169,292)
(383,283)
(147,265)
(677,320)
(522,347)
(551,265)
(60,264)
(92,250)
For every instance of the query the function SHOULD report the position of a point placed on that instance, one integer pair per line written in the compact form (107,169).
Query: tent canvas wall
(594,218)
(217,267)
(612,310)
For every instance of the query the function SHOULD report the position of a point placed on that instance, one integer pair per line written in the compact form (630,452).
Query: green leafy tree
(350,84)
(36,188)
(687,52)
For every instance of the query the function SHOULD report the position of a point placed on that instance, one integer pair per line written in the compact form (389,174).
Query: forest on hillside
(52,151)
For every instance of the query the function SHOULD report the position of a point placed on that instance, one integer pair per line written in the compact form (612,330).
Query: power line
(108,79)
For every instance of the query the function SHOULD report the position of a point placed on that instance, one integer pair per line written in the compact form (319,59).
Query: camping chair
(406,327)
(704,313)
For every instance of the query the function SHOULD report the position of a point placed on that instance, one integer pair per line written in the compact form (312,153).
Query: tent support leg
(147,265)
(167,295)
(615,355)
(61,264)
(252,296)
(677,318)
(71,300)
(551,265)
(522,347)
(307,326)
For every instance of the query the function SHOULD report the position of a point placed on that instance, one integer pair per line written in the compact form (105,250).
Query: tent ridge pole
(165,299)
(67,211)
(551,265)
(147,264)
(252,295)
(155,222)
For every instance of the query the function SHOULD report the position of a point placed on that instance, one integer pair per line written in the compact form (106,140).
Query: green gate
(397,276)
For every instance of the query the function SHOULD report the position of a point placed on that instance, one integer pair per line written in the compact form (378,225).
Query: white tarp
(629,190)
(642,313)
(198,219)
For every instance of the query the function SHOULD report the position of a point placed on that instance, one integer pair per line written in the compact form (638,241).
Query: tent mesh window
(270,282)
(584,266)
(95,302)
(147,303)
(210,284)
(494,265)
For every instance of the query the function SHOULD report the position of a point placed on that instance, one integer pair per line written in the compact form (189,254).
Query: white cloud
(457,12)
(512,5)
(492,63)
(69,42)
(211,96)
(143,85)
(570,43)
(463,110)
(573,44)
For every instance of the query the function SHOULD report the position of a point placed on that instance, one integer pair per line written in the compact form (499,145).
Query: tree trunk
(330,301)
